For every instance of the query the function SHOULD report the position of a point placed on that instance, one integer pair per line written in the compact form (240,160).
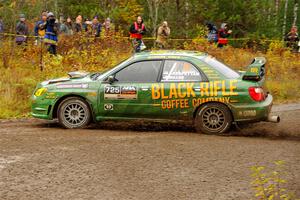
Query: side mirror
(111,79)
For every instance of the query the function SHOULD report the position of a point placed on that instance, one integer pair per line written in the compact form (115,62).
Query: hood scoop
(59,80)
(77,74)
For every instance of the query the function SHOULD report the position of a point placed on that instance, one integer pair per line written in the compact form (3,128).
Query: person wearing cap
(51,32)
(38,31)
(223,35)
(163,33)
(22,30)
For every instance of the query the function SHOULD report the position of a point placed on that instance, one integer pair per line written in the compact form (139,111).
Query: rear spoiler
(256,70)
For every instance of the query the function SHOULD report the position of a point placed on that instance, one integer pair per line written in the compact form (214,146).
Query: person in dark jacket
(137,30)
(212,35)
(292,39)
(86,26)
(223,35)
(22,30)
(78,24)
(70,26)
(96,27)
(38,32)
(51,36)
(1,25)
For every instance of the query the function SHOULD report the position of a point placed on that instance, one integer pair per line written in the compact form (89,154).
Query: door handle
(197,89)
(145,88)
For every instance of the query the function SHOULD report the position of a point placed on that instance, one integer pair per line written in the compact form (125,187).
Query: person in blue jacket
(38,32)
(51,34)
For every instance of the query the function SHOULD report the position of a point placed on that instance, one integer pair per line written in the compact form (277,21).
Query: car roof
(168,53)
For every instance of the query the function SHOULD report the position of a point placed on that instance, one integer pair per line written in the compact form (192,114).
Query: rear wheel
(213,118)
(74,112)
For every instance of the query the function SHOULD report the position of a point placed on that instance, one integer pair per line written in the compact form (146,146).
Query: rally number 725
(112,90)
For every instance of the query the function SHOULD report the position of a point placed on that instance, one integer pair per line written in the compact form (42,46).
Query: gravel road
(40,160)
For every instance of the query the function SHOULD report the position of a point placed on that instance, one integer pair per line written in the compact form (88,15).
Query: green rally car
(159,86)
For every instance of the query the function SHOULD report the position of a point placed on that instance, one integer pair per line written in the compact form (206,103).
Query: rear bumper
(258,111)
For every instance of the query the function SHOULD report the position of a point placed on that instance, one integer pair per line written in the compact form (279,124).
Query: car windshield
(220,67)
(104,73)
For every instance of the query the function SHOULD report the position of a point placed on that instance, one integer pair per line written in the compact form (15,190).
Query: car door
(178,87)
(129,95)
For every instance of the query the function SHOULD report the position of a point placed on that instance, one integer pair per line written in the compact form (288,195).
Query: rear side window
(221,67)
(140,72)
(180,71)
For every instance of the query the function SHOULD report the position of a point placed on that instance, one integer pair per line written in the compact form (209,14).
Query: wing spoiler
(256,70)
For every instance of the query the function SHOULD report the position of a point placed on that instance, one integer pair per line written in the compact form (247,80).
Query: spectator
(223,35)
(70,26)
(63,28)
(52,29)
(40,33)
(163,33)
(1,25)
(292,39)
(78,24)
(86,26)
(22,30)
(96,27)
(212,35)
(137,30)
(108,26)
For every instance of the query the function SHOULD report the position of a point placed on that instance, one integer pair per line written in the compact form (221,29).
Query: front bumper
(258,111)
(41,108)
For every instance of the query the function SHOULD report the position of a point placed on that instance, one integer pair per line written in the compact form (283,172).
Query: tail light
(257,93)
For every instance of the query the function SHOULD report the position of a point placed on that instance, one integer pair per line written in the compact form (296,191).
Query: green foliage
(269,184)
(255,18)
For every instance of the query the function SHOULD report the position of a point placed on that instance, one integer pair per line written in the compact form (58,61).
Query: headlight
(40,92)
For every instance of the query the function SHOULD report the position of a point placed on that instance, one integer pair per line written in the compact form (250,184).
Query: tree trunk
(284,18)
(295,12)
(276,11)
(153,6)
(186,17)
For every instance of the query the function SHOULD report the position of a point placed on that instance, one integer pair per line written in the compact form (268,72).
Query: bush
(269,184)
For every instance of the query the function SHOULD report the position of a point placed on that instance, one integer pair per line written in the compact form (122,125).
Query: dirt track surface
(39,160)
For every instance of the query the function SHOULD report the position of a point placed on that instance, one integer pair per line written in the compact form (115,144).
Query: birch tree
(154,6)
(284,18)
(296,5)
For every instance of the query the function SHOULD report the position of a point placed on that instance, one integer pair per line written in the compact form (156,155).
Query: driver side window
(140,72)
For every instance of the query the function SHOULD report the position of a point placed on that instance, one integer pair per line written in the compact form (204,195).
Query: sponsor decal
(68,86)
(248,113)
(92,94)
(186,95)
(51,95)
(120,92)
(108,107)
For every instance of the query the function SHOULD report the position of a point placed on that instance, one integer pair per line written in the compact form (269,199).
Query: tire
(74,112)
(213,118)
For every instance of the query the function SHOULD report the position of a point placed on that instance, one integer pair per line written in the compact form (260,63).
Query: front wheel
(74,112)
(213,118)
